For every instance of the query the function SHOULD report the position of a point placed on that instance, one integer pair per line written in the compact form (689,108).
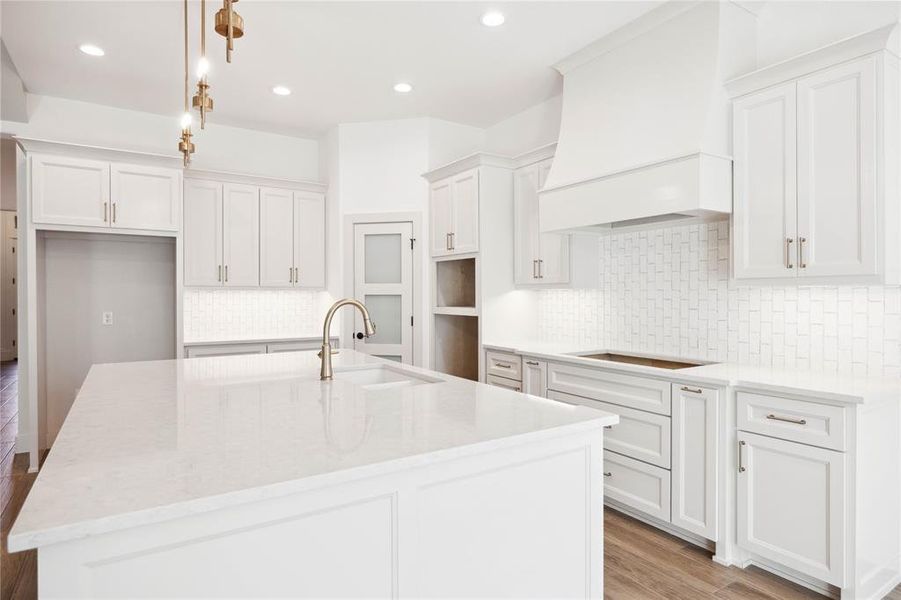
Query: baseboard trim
(820,587)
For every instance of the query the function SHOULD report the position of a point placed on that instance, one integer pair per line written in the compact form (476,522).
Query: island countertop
(151,441)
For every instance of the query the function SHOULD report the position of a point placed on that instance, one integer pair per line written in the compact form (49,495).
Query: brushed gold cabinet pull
(692,390)
(773,417)
(801,263)
(788,253)
(741,464)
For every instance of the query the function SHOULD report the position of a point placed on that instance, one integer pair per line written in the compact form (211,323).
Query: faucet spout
(325,371)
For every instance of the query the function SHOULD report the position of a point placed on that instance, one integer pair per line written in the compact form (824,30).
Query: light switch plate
(107,318)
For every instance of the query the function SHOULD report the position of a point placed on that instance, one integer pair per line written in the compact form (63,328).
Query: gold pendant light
(230,25)
(202,100)
(185,145)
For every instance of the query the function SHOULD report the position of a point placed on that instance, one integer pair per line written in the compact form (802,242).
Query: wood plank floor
(641,562)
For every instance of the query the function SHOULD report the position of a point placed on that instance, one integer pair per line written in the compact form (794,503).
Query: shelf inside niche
(455,283)
(457,345)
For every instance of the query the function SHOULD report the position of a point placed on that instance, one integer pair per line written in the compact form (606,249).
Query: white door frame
(347,322)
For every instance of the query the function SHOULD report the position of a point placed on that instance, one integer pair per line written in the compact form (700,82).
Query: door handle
(741,462)
(801,263)
(296,275)
(290,275)
(788,253)
(608,474)
(114,211)
(453,241)
(105,212)
(773,417)
(685,388)
(226,273)
(540,265)
(534,363)
(447,245)
(219,278)
(359,335)
(534,269)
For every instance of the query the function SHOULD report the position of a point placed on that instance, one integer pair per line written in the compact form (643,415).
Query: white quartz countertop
(215,340)
(151,441)
(826,385)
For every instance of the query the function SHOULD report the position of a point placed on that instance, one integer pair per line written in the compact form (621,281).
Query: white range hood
(645,132)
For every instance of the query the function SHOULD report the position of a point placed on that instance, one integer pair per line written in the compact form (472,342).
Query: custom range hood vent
(645,134)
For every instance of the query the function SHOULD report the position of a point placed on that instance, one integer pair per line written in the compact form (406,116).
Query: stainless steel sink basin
(633,359)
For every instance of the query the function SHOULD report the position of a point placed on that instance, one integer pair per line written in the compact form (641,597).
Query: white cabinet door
(791,505)
(309,239)
(203,233)
(241,235)
(837,148)
(765,194)
(276,238)
(534,377)
(465,206)
(554,248)
(440,201)
(525,214)
(70,191)
(145,197)
(694,460)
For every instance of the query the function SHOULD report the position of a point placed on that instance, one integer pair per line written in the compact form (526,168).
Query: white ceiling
(341,59)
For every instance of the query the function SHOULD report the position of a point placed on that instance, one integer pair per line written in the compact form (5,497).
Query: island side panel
(521,519)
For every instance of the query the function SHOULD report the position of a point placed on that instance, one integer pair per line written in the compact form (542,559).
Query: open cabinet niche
(457,346)
(456,283)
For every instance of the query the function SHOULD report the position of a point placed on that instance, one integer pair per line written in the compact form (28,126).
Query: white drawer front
(504,364)
(806,422)
(639,434)
(636,484)
(652,395)
(503,382)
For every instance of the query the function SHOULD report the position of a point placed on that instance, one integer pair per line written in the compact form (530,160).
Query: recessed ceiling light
(281,90)
(403,88)
(493,18)
(91,50)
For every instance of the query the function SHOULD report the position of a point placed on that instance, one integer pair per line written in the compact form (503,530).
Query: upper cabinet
(454,214)
(240,235)
(816,175)
(83,192)
(540,258)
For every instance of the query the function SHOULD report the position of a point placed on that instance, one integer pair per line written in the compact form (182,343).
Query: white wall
(7,174)
(534,127)
(785,29)
(219,147)
(83,275)
(449,141)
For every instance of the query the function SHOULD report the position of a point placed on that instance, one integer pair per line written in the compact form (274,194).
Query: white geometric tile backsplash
(235,314)
(667,291)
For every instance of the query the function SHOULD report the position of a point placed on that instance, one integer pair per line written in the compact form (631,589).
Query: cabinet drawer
(503,382)
(652,395)
(639,434)
(806,422)
(642,486)
(504,364)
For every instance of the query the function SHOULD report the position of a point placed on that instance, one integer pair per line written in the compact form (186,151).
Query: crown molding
(30,145)
(479,159)
(258,180)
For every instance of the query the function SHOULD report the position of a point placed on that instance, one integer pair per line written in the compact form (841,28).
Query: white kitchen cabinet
(814,168)
(277,226)
(309,239)
(534,377)
(240,235)
(144,197)
(837,148)
(791,505)
(636,484)
(694,463)
(203,233)
(765,193)
(70,191)
(454,214)
(540,258)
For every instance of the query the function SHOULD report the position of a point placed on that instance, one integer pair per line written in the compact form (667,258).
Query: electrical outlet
(107,318)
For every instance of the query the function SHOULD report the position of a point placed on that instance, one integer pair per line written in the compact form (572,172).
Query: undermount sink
(634,359)
(382,376)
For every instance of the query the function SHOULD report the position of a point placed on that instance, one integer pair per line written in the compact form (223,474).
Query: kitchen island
(248,476)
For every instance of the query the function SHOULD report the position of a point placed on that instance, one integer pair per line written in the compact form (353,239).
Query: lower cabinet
(791,505)
(695,460)
(503,382)
(534,377)
(637,484)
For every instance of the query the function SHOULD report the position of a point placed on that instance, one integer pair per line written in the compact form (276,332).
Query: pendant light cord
(186,54)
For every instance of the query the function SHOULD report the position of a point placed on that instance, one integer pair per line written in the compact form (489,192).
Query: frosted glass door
(383,281)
